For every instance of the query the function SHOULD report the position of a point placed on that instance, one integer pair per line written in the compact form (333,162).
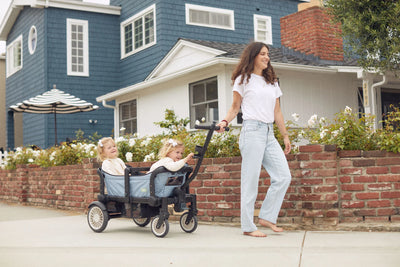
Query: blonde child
(107,152)
(170,156)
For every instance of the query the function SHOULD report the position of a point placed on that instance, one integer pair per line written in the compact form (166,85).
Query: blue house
(139,58)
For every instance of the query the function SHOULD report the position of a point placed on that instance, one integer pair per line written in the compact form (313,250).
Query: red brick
(387,212)
(331,197)
(325,189)
(374,195)
(311,165)
(378,203)
(390,194)
(353,171)
(345,179)
(230,183)
(324,156)
(353,204)
(221,175)
(377,170)
(215,198)
(325,173)
(349,153)
(364,179)
(395,169)
(389,178)
(223,190)
(332,213)
(302,157)
(311,148)
(213,168)
(352,187)
(380,187)
(309,181)
(388,161)
(211,183)
(363,162)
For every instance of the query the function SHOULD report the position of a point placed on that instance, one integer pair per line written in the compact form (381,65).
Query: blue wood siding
(48,66)
(171,25)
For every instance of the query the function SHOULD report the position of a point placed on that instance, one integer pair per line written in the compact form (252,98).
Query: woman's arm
(232,112)
(280,122)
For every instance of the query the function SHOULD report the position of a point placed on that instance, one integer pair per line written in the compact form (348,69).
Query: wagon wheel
(190,226)
(142,222)
(97,218)
(163,230)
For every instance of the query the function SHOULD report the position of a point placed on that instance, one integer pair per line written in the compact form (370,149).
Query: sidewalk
(32,236)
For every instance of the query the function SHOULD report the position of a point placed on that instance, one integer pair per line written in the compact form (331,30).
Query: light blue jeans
(258,146)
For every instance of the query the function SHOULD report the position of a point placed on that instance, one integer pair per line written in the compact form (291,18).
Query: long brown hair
(246,64)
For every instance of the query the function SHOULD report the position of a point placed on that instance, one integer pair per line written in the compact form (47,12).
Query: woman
(256,90)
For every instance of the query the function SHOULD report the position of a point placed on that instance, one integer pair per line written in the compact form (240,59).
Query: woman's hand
(288,146)
(222,126)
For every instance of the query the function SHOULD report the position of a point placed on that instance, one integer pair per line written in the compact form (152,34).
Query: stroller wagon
(145,197)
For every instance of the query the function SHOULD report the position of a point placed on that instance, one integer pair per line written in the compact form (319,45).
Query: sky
(4,4)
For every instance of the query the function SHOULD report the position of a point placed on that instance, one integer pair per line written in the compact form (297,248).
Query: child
(170,156)
(107,152)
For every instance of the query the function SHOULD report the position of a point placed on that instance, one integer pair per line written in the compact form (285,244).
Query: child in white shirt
(170,156)
(107,152)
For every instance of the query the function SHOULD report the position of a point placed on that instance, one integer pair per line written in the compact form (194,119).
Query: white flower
(120,139)
(347,110)
(73,146)
(203,119)
(313,120)
(335,133)
(197,122)
(30,160)
(132,141)
(149,157)
(322,120)
(122,129)
(128,156)
(323,133)
(295,116)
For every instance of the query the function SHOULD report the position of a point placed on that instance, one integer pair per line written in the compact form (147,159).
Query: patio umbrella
(54,101)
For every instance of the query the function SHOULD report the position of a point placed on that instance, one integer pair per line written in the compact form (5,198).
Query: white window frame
(85,48)
(208,116)
(32,34)
(120,122)
(231,14)
(268,30)
(11,67)
(131,21)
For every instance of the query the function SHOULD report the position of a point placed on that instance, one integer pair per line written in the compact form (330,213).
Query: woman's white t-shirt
(258,98)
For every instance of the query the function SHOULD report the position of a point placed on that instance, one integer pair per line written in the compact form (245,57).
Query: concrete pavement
(31,236)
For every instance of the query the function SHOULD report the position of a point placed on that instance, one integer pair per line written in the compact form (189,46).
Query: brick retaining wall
(328,187)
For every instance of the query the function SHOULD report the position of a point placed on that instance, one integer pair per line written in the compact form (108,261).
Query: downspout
(104,102)
(373,102)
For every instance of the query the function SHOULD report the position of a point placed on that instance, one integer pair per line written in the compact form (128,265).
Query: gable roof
(16,6)
(203,54)
(277,54)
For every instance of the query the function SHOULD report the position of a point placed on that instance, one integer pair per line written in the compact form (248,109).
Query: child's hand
(189,157)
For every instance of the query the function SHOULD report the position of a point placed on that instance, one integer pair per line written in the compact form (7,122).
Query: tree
(370,30)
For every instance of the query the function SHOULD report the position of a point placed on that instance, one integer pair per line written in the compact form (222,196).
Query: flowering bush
(349,131)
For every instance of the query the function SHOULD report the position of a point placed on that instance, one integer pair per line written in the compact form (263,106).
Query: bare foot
(270,225)
(255,233)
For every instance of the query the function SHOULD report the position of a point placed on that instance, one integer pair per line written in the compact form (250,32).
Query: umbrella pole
(55,127)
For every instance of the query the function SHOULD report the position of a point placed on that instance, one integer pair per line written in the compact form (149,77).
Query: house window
(128,117)
(263,29)
(210,17)
(77,47)
(14,56)
(32,40)
(203,101)
(138,32)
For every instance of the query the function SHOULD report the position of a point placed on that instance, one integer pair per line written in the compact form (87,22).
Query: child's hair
(100,147)
(168,146)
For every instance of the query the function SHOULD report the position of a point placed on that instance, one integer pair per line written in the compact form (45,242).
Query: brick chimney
(309,31)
